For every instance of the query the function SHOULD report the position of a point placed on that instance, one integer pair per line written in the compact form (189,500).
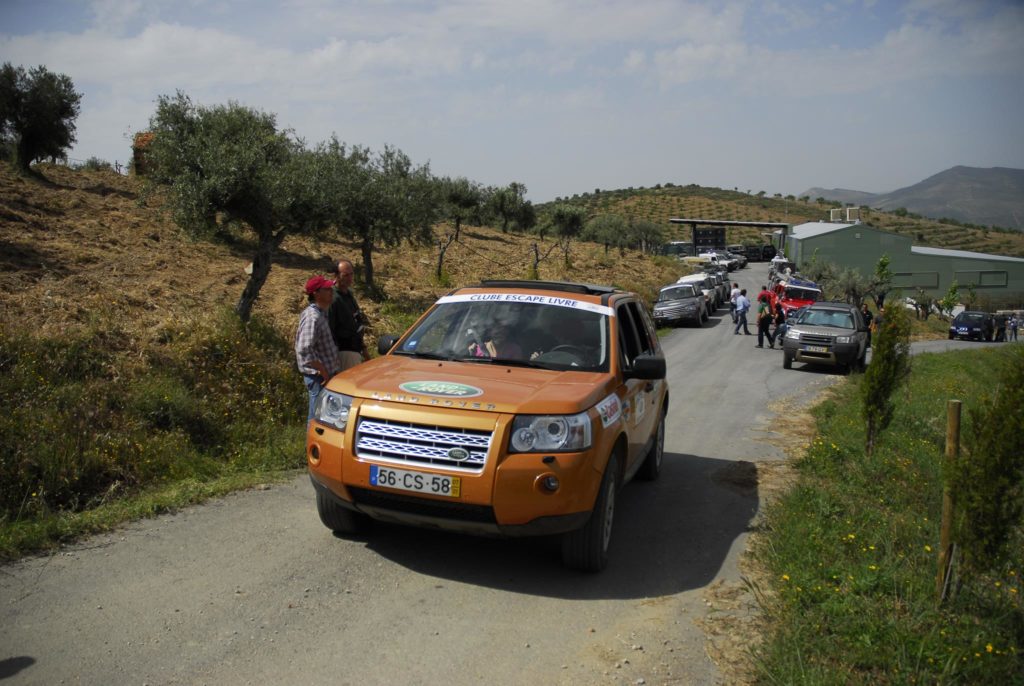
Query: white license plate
(417,482)
(815,348)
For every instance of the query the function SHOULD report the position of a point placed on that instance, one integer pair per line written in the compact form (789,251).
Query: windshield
(973,317)
(677,293)
(556,333)
(834,318)
(795,293)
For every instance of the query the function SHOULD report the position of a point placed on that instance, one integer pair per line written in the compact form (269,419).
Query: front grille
(673,310)
(811,339)
(406,443)
(421,506)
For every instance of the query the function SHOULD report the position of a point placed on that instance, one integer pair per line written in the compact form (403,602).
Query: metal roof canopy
(726,222)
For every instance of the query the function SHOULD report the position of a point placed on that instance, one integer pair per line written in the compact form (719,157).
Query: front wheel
(787,360)
(338,519)
(586,549)
(651,467)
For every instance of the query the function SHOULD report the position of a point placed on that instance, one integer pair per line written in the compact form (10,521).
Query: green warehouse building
(997,278)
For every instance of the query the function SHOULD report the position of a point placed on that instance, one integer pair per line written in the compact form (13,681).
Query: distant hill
(987,197)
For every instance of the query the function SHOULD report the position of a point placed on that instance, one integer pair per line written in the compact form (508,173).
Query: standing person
(315,351)
(764,322)
(733,294)
(1013,327)
(346,320)
(742,306)
(780,322)
(878,322)
(1000,327)
(868,317)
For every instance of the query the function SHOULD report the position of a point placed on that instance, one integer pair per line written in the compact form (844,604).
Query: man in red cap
(315,351)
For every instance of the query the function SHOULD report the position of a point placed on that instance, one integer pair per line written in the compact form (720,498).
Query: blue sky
(566,96)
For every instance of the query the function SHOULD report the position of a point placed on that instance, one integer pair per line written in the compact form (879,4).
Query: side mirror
(385,343)
(647,366)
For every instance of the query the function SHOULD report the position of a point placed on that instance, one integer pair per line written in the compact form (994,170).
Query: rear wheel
(651,467)
(586,549)
(338,519)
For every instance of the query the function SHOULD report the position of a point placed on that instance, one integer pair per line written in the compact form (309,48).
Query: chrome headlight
(844,339)
(332,409)
(793,334)
(550,433)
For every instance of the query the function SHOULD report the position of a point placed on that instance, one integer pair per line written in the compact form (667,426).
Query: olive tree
(506,203)
(606,229)
(37,113)
(462,200)
(230,164)
(380,199)
(567,220)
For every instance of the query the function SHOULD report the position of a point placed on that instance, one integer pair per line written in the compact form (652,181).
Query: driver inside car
(499,343)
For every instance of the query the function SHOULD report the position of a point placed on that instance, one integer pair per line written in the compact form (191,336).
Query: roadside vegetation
(852,548)
(91,436)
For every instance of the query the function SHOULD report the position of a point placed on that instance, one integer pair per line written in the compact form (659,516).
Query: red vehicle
(794,293)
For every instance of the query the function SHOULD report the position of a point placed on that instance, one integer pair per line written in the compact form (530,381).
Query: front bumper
(833,354)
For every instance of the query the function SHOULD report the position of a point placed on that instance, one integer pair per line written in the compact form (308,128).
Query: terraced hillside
(658,204)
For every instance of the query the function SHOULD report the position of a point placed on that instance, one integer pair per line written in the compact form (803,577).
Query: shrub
(890,366)
(988,481)
(214,397)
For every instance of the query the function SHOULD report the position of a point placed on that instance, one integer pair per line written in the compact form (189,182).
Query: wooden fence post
(945,530)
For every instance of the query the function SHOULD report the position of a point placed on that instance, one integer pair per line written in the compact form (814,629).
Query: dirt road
(253,589)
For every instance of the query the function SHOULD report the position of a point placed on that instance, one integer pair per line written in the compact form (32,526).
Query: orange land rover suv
(511,408)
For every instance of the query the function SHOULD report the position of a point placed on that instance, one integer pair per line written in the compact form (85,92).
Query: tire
(586,549)
(651,467)
(338,519)
(787,360)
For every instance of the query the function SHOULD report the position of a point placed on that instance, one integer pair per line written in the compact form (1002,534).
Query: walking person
(315,351)
(347,321)
(764,322)
(742,307)
(733,294)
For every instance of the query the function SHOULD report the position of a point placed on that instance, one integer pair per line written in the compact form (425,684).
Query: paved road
(252,589)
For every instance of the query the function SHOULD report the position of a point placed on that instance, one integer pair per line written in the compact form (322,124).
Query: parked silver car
(679,303)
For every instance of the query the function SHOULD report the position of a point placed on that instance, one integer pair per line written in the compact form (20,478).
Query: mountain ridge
(986,196)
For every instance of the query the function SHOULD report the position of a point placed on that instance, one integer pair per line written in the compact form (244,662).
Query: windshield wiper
(425,355)
(507,361)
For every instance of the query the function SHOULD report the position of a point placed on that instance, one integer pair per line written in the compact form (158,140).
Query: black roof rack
(566,286)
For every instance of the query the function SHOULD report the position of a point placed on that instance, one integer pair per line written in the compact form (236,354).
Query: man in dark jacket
(345,318)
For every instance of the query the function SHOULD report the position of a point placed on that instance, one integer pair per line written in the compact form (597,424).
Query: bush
(95,164)
(81,423)
(988,480)
(890,366)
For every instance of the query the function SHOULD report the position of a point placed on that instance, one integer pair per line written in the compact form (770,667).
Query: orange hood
(480,386)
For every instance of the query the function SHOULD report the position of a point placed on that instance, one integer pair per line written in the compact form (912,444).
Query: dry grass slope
(78,244)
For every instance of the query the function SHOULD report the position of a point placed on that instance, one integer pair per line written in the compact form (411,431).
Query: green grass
(852,548)
(97,427)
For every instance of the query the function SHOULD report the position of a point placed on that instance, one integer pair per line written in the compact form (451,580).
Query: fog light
(550,483)
(314,453)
